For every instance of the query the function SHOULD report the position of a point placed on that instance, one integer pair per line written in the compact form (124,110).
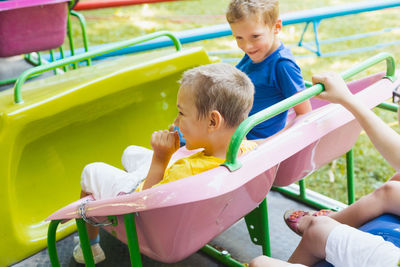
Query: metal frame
(36,59)
(86,56)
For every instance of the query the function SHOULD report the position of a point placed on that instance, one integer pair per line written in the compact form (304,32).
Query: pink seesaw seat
(176,219)
(31,25)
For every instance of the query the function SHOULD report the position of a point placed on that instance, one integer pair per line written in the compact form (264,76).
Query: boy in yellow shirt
(212,101)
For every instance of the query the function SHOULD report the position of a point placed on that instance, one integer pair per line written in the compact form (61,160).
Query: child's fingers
(176,136)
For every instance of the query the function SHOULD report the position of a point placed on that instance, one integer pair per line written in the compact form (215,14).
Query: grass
(371,170)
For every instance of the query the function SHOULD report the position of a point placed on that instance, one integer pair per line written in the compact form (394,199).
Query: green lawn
(121,23)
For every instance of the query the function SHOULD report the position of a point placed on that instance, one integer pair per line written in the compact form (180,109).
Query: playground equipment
(34,25)
(58,124)
(28,26)
(88,4)
(169,223)
(311,16)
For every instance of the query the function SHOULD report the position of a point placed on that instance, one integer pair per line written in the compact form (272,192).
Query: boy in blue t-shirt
(269,64)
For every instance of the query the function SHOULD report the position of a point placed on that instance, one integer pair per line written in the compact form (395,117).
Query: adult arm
(384,138)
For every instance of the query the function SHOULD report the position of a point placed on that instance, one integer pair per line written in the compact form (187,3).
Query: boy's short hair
(268,10)
(221,87)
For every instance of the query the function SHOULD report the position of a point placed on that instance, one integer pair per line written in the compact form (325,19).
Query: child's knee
(259,261)
(92,168)
(387,191)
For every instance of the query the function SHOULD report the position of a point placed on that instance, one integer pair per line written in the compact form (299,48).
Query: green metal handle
(231,161)
(85,56)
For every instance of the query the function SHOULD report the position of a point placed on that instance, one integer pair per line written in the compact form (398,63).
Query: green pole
(302,185)
(84,242)
(350,177)
(82,22)
(223,257)
(52,243)
(266,247)
(389,106)
(133,243)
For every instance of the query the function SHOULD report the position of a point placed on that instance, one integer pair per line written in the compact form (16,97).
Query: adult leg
(385,199)
(311,248)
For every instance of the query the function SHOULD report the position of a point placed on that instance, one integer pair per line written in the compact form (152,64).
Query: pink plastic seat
(31,25)
(176,219)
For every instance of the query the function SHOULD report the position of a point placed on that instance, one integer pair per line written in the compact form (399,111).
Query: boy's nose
(176,122)
(247,46)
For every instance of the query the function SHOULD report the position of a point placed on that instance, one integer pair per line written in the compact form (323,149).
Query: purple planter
(31,25)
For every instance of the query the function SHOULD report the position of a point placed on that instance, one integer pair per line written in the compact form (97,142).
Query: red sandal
(323,212)
(292,217)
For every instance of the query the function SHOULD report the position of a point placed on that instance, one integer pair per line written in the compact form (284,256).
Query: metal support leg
(133,243)
(52,244)
(265,228)
(350,177)
(84,242)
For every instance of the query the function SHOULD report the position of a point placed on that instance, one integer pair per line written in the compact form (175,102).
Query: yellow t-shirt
(195,164)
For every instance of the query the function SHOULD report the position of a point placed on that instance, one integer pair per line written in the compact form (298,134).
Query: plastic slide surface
(67,121)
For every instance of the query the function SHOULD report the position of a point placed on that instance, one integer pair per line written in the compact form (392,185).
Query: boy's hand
(336,90)
(164,144)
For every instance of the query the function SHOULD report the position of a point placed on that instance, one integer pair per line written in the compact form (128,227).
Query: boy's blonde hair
(267,10)
(220,87)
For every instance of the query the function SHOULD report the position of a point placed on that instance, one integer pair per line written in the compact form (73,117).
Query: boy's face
(257,39)
(194,130)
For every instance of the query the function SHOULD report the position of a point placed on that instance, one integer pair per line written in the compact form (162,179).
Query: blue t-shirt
(275,78)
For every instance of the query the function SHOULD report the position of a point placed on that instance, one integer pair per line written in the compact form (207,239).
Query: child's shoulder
(284,54)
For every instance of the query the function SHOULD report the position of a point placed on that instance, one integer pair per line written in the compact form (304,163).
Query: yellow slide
(67,121)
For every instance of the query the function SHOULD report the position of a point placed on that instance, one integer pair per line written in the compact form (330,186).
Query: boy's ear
(278,26)
(215,120)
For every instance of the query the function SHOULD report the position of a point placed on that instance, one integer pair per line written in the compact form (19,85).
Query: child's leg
(264,261)
(137,159)
(311,248)
(385,199)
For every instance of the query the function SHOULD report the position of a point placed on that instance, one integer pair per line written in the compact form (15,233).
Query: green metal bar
(133,243)
(52,243)
(223,257)
(266,247)
(309,201)
(84,242)
(52,59)
(302,185)
(39,58)
(71,39)
(82,22)
(64,62)
(28,57)
(350,177)
(62,57)
(389,106)
(231,155)
(8,81)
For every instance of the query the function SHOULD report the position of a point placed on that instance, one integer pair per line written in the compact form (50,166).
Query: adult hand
(336,90)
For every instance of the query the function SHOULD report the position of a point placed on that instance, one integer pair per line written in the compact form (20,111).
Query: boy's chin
(191,147)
